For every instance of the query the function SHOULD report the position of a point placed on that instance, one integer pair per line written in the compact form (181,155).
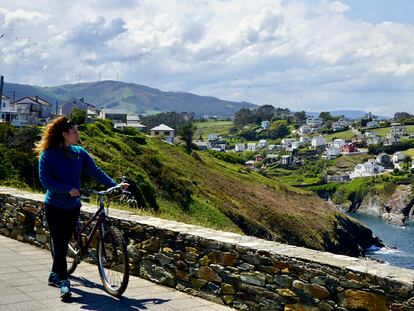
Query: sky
(312,55)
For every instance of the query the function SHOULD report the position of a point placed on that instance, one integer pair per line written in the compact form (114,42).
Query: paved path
(23,286)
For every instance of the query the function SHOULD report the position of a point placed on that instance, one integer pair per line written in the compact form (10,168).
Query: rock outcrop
(395,208)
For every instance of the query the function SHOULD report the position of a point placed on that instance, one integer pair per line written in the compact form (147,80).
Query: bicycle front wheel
(113,261)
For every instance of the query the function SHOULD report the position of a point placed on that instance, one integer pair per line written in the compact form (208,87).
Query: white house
(202,145)
(251,146)
(6,112)
(398,157)
(286,159)
(165,131)
(332,153)
(262,143)
(318,141)
(239,147)
(314,122)
(339,125)
(265,124)
(287,142)
(376,140)
(31,111)
(398,130)
(369,168)
(305,129)
(213,136)
(338,143)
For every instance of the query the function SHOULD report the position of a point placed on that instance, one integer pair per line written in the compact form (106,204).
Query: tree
(300,117)
(186,133)
(325,116)
(278,129)
(264,113)
(243,117)
(78,116)
(402,115)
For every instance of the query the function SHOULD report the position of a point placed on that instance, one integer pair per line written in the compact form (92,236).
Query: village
(305,142)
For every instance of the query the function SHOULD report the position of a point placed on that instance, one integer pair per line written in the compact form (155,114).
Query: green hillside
(202,189)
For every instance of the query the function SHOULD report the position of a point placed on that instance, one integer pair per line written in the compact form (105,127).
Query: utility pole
(99,76)
(79,77)
(1,91)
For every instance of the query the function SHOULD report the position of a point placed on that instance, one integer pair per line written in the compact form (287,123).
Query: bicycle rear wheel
(113,263)
(72,257)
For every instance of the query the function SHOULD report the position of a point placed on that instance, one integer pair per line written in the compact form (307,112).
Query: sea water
(399,241)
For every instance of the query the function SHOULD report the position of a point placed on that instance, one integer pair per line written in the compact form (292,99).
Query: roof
(33,99)
(4,97)
(132,117)
(114,111)
(162,127)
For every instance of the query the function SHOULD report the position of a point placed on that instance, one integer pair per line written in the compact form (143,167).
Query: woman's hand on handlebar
(124,185)
(74,192)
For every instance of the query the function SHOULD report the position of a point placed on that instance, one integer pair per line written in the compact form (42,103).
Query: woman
(61,162)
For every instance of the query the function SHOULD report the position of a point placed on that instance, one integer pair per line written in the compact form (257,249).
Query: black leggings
(61,225)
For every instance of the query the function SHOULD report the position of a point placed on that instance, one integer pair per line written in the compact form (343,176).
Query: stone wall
(240,271)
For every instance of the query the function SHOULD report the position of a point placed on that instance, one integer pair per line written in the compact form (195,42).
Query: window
(157,133)
(166,133)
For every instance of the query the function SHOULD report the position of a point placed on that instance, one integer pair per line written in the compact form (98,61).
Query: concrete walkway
(23,286)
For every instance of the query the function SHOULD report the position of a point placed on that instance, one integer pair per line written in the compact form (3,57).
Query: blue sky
(378,11)
(310,55)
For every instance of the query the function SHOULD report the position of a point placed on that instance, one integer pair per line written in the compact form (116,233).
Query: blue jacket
(60,171)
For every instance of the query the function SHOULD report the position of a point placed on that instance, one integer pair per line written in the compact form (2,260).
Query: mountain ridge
(132,97)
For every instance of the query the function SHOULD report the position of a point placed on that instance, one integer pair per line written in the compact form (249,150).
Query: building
(239,147)
(305,139)
(287,142)
(30,111)
(397,129)
(372,124)
(398,157)
(265,124)
(384,160)
(251,146)
(286,159)
(213,136)
(218,145)
(164,131)
(116,115)
(262,143)
(349,148)
(369,168)
(318,141)
(314,122)
(338,143)
(305,129)
(339,125)
(6,112)
(202,145)
(332,153)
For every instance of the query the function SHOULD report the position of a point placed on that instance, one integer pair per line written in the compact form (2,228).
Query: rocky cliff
(395,205)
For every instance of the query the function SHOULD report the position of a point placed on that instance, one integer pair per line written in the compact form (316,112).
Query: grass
(409,152)
(212,126)
(346,135)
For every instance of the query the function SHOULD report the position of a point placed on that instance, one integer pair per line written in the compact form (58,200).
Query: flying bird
(2,35)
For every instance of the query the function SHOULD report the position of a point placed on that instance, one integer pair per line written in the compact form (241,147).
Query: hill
(130,96)
(201,189)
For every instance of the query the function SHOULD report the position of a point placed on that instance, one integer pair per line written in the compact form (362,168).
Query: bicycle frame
(100,217)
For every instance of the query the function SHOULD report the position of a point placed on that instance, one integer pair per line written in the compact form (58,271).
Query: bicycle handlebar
(109,191)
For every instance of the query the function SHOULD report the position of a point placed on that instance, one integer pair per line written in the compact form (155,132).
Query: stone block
(356,299)
(208,274)
(255,278)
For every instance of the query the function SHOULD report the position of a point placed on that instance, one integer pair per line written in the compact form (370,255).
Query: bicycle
(113,262)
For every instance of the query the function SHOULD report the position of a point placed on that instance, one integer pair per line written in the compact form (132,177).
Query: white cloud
(263,51)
